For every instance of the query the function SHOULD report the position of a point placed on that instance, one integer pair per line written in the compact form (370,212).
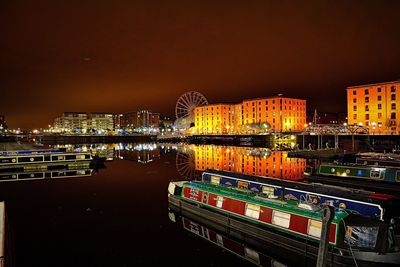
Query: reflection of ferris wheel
(184,109)
(185,164)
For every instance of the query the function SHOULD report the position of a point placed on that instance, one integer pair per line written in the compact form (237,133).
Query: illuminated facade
(100,121)
(376,106)
(71,122)
(254,116)
(143,118)
(215,119)
(250,161)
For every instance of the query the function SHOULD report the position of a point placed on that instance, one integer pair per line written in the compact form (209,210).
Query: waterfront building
(98,121)
(214,119)
(117,120)
(376,106)
(253,116)
(72,122)
(140,120)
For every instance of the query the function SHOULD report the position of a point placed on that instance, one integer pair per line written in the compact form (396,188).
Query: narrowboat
(373,240)
(367,203)
(357,171)
(46,159)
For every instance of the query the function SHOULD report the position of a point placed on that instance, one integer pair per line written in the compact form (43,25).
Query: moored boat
(368,237)
(366,203)
(357,171)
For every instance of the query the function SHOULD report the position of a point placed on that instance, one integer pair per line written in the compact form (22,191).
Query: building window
(379,98)
(393,105)
(379,90)
(393,116)
(379,106)
(355,116)
(354,92)
(393,89)
(366,91)
(393,97)
(366,108)
(367,99)
(354,108)
(366,116)
(354,100)
(379,115)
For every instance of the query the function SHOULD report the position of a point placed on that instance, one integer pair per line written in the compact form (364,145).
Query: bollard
(328,213)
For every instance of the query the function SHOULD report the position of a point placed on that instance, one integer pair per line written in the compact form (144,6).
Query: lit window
(220,200)
(314,228)
(281,218)
(252,211)
(215,179)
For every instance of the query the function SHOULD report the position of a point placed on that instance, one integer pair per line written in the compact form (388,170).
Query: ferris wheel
(185,164)
(186,104)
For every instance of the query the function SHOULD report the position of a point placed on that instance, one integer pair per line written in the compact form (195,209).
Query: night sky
(121,56)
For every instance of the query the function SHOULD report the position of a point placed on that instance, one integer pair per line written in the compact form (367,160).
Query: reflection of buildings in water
(252,161)
(143,156)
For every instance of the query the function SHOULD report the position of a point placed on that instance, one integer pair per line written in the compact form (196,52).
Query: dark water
(116,217)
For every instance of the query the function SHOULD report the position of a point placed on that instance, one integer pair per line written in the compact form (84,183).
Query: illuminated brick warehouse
(254,116)
(375,106)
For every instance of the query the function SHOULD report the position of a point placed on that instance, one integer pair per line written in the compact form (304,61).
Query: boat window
(268,190)
(60,158)
(243,185)
(80,156)
(281,218)
(215,179)
(362,236)
(376,174)
(220,240)
(398,176)
(252,211)
(314,228)
(220,200)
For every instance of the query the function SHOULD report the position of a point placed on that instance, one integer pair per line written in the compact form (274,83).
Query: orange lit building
(277,114)
(376,106)
(214,119)
(252,161)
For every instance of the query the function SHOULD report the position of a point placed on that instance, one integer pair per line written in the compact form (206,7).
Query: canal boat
(357,171)
(47,159)
(373,240)
(366,203)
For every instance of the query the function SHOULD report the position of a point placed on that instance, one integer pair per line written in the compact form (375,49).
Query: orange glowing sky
(121,56)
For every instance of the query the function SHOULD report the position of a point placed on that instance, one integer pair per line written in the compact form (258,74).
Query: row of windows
(392,116)
(392,106)
(392,97)
(379,89)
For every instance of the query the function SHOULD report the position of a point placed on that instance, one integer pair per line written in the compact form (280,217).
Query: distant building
(278,114)
(71,122)
(100,121)
(117,119)
(140,120)
(376,106)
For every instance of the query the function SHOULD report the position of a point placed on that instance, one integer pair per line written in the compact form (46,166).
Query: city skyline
(118,57)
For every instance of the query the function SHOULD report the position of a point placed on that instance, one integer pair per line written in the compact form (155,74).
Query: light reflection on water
(191,160)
